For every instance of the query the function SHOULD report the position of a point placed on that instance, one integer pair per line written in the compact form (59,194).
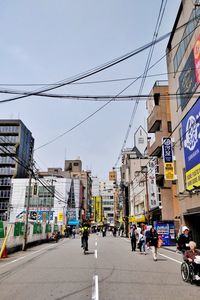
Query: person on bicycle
(190,257)
(84,236)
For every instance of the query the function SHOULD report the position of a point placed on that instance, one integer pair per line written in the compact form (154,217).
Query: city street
(110,270)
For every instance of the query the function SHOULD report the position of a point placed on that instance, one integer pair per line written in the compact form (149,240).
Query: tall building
(183,61)
(107,190)
(16,142)
(162,201)
(133,185)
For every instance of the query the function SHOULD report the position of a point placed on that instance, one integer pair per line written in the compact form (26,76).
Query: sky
(47,41)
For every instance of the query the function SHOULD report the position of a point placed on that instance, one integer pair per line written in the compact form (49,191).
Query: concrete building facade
(16,148)
(183,61)
(159,126)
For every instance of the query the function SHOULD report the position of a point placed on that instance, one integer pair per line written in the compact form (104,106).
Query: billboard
(168,158)
(72,216)
(196,52)
(152,187)
(191,144)
(187,81)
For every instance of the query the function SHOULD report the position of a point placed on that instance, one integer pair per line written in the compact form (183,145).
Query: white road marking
(171,251)
(95,290)
(95,243)
(177,261)
(95,253)
(20,258)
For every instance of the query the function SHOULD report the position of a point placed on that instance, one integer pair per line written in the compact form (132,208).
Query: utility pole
(52,181)
(147,196)
(27,205)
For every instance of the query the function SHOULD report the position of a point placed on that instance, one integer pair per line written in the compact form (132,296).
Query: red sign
(197,59)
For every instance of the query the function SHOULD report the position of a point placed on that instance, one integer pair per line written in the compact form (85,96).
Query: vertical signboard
(98,209)
(191,144)
(152,187)
(168,158)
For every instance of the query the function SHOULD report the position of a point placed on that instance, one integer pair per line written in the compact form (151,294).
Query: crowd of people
(143,237)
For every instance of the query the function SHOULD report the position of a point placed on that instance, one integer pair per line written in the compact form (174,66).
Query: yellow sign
(131,219)
(138,219)
(60,216)
(98,209)
(169,171)
(193,178)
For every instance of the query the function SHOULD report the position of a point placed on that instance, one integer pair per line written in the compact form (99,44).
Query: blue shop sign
(191,137)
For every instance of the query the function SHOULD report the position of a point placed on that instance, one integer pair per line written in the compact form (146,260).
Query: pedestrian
(154,242)
(184,239)
(133,237)
(147,236)
(142,242)
(73,233)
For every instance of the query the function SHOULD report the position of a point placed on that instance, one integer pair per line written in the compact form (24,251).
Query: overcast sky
(48,41)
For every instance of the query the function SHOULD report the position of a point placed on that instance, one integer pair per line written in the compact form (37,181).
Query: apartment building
(16,147)
(164,204)
(183,63)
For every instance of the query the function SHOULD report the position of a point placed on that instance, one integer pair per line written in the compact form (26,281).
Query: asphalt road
(110,270)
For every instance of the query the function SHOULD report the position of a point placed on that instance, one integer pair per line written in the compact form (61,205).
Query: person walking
(147,236)
(133,237)
(74,233)
(142,242)
(184,239)
(154,242)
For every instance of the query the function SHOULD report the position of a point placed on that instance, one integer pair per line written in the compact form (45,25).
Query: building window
(180,137)
(169,126)
(156,98)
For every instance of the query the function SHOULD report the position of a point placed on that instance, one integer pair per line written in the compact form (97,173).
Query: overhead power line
(94,70)
(93,82)
(101,98)
(107,103)
(146,69)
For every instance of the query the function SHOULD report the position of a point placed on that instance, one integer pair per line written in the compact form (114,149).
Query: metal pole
(147,197)
(27,208)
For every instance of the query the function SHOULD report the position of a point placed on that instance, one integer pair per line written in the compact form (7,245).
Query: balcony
(156,148)
(7,171)
(6,160)
(9,139)
(154,120)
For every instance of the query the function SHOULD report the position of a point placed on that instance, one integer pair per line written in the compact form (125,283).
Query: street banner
(152,187)
(191,145)
(168,158)
(98,209)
